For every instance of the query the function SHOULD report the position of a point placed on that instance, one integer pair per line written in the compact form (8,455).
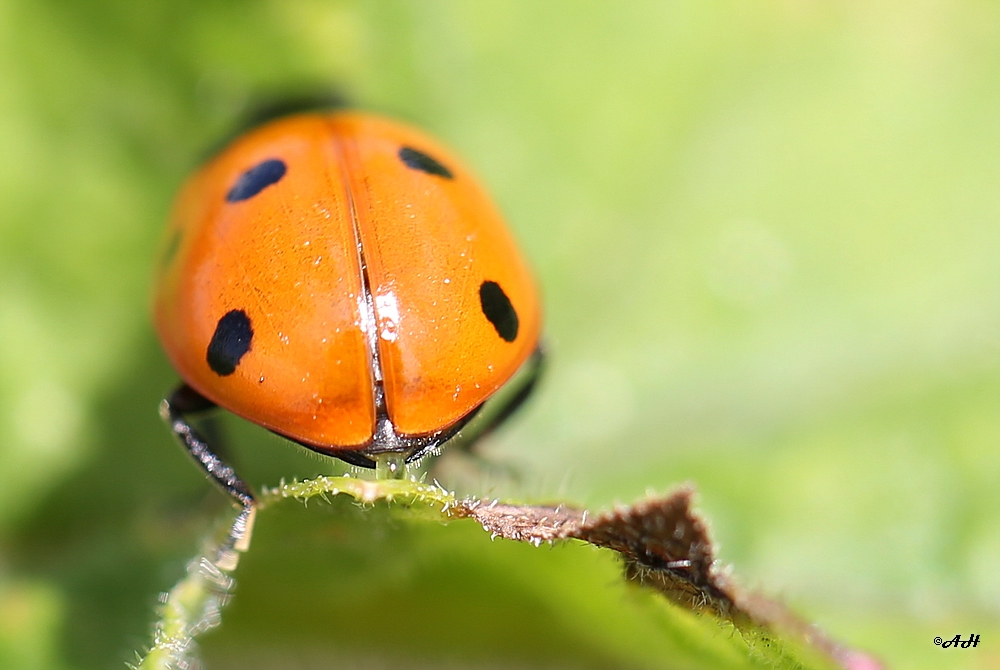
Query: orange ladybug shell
(323,257)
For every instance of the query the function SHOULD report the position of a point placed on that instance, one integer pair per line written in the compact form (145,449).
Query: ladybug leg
(529,381)
(182,402)
(534,369)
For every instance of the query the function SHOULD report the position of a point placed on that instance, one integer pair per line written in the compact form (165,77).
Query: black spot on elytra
(417,160)
(231,340)
(256,179)
(497,308)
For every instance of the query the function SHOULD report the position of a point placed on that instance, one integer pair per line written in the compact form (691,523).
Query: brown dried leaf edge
(665,546)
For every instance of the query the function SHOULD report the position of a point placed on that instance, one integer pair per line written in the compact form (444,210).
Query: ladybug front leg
(532,373)
(183,401)
(524,385)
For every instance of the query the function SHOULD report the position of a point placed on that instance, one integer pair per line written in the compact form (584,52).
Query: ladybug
(342,280)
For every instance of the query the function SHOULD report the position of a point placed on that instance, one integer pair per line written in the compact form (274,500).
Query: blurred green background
(768,235)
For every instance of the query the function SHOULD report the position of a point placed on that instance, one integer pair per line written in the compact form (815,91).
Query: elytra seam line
(378,389)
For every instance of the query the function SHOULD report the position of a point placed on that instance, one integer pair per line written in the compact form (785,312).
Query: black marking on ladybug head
(497,308)
(417,160)
(256,179)
(231,340)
